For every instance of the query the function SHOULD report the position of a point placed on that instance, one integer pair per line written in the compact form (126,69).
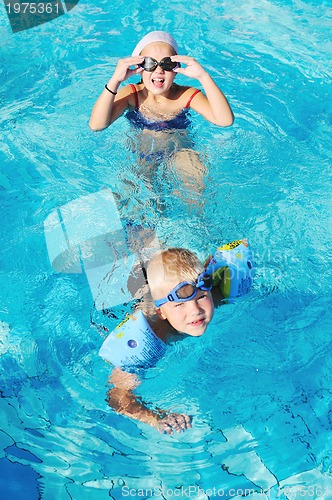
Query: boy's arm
(213,105)
(122,399)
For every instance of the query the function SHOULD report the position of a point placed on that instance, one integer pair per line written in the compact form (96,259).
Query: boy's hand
(173,422)
(123,400)
(192,68)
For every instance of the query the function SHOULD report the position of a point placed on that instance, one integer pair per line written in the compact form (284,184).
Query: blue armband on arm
(232,268)
(133,344)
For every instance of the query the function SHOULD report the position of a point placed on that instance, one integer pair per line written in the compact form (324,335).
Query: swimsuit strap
(191,98)
(134,89)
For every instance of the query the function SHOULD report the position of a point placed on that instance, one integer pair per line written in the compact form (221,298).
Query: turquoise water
(258,383)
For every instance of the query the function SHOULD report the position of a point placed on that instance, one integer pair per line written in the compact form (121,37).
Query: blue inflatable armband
(133,344)
(232,268)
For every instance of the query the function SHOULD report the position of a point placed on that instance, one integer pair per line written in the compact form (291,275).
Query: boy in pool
(183,302)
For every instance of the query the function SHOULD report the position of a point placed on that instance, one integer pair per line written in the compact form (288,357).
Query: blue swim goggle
(187,290)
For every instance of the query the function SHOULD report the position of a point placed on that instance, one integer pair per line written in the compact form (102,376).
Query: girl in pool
(159,108)
(157,103)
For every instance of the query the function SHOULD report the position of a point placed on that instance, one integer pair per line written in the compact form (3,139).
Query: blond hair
(171,264)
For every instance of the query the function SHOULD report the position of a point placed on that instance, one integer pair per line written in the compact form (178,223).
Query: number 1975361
(32,8)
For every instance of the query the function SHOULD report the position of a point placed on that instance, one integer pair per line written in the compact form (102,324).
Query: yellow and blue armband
(133,344)
(232,268)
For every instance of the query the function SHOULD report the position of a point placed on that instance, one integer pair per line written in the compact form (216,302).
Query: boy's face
(191,317)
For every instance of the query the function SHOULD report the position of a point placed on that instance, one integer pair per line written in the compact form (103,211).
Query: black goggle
(150,64)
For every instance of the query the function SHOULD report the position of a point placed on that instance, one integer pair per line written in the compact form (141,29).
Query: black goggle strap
(205,282)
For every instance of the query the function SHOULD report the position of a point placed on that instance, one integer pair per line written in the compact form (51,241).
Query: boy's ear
(160,313)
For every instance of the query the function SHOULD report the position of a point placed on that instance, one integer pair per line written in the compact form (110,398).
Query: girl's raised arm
(111,104)
(213,105)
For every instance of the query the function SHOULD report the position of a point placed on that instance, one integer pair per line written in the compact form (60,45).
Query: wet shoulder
(183,93)
(131,93)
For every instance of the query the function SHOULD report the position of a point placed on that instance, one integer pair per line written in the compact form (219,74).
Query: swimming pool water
(258,383)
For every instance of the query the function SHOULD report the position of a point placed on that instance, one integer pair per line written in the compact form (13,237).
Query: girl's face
(158,81)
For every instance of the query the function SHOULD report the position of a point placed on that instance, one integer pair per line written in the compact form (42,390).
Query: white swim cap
(155,36)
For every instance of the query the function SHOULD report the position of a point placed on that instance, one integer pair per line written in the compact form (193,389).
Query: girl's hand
(123,72)
(192,68)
